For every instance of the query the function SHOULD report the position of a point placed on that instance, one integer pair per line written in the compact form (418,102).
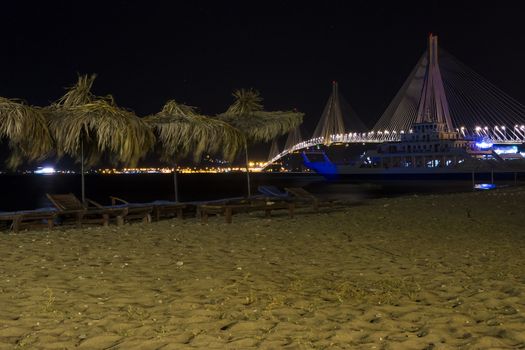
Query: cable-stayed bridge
(439,89)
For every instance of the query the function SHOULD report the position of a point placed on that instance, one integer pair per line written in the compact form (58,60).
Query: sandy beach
(414,272)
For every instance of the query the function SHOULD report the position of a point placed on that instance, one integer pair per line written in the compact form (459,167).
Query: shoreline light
(45,171)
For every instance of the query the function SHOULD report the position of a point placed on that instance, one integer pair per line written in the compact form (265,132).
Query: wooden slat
(66,201)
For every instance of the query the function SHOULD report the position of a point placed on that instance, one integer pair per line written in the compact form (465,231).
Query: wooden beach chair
(228,208)
(167,209)
(134,211)
(157,209)
(268,204)
(272,192)
(302,195)
(72,210)
(29,219)
(299,195)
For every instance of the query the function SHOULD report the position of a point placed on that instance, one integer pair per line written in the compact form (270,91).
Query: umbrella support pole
(175,183)
(247,170)
(82,172)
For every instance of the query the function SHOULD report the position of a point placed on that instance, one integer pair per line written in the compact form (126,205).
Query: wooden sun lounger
(71,209)
(132,211)
(164,210)
(229,208)
(158,209)
(300,194)
(272,192)
(29,219)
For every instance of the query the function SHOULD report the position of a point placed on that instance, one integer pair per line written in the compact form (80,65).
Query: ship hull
(425,174)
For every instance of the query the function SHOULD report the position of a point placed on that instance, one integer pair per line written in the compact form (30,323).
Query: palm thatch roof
(247,114)
(80,118)
(183,131)
(26,130)
(78,94)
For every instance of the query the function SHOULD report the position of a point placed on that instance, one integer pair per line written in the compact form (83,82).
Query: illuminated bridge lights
(499,134)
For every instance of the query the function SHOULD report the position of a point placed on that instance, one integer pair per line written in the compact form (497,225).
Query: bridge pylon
(337,118)
(274,150)
(433,104)
(294,137)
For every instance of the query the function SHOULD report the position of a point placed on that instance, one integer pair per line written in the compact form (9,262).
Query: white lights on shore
(45,171)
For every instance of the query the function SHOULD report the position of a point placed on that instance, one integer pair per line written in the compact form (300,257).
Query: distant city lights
(253,166)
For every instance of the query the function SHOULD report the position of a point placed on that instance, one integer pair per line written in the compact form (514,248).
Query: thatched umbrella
(86,126)
(182,131)
(26,130)
(247,115)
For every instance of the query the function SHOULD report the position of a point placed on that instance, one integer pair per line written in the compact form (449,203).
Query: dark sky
(196,52)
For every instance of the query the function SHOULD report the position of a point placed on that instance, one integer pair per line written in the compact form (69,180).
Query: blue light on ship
(484,145)
(484,186)
(506,149)
(324,167)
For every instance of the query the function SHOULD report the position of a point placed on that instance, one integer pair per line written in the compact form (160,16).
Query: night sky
(146,52)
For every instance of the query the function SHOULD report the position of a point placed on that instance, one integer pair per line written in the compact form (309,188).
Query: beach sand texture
(415,272)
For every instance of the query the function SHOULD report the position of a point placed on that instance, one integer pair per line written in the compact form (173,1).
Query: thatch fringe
(247,115)
(181,131)
(80,117)
(26,131)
